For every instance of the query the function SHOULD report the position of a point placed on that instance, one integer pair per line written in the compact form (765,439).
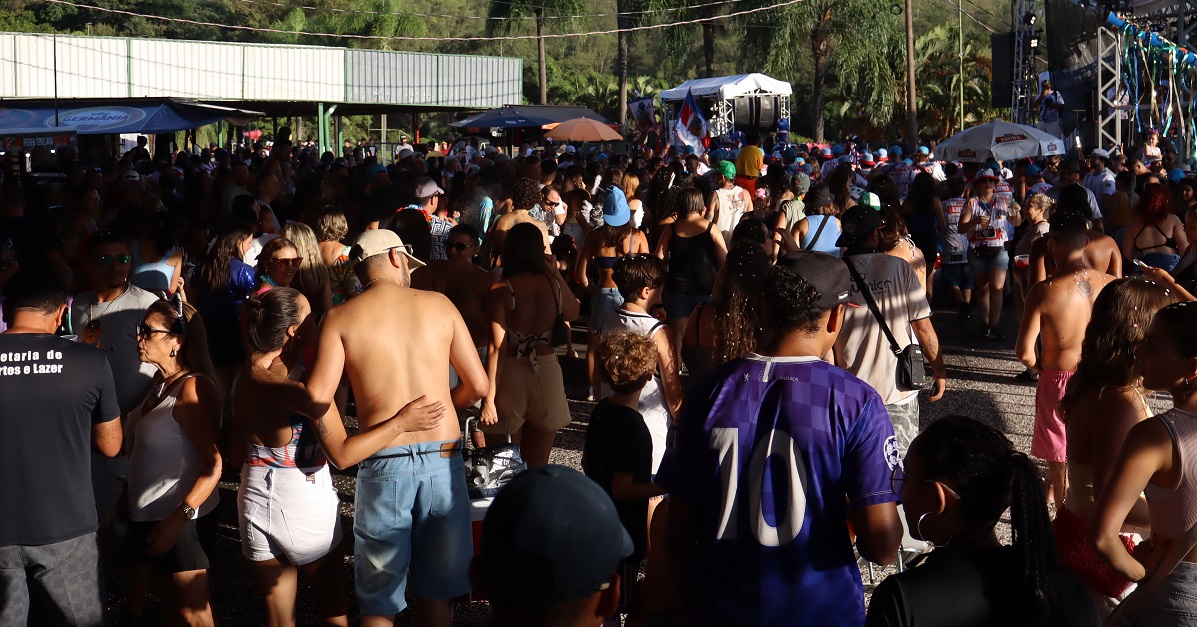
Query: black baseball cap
(827,274)
(857,224)
(551,535)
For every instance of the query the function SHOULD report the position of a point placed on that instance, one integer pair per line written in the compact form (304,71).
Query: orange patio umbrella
(583,130)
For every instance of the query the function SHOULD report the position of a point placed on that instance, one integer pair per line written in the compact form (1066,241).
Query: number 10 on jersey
(789,521)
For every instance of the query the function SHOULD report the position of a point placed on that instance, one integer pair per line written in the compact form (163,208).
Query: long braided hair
(981,464)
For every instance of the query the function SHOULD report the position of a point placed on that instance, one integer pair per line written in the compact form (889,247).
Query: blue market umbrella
(503,117)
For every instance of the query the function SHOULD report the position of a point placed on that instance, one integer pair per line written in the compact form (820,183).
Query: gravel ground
(981,384)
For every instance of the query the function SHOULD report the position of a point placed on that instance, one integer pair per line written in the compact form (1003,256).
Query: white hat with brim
(377,242)
(986,174)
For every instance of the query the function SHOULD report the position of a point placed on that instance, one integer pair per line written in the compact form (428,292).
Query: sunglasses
(107,260)
(459,247)
(146,330)
(292,262)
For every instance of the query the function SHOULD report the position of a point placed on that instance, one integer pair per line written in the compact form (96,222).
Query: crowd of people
(758,336)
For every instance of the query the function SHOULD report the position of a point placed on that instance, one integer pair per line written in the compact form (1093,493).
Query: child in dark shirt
(618,450)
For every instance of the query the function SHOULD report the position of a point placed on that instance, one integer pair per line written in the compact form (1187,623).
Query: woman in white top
(985,219)
(174,464)
(729,202)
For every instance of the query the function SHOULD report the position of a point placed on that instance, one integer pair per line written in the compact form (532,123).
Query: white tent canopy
(728,87)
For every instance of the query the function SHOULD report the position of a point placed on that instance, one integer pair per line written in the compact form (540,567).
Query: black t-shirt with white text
(52,392)
(617,440)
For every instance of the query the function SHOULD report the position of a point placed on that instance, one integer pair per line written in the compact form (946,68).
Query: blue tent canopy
(526,116)
(139,115)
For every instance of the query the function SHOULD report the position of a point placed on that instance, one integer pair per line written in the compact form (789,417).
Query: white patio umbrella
(1001,141)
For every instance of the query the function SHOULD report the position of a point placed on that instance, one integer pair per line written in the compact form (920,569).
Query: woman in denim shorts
(986,219)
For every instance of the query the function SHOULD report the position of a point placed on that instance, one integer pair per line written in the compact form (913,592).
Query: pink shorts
(1050,441)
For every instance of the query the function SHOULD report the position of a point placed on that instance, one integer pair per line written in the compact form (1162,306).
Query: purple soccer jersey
(766,451)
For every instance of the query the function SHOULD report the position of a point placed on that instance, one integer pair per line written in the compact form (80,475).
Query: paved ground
(981,385)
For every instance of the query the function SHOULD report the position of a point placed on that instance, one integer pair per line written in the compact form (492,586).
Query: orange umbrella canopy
(583,130)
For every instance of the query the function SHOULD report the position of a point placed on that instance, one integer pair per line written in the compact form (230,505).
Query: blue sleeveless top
(826,241)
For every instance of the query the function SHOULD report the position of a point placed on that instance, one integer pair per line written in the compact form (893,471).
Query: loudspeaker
(767,118)
(1002,85)
(744,114)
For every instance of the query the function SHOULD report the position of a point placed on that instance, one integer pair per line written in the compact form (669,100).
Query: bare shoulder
(195,387)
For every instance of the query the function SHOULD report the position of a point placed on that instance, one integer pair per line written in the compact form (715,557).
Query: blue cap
(826,152)
(615,208)
(867,159)
(882,154)
(1032,170)
(551,535)
(908,161)
(799,161)
(719,154)
(374,169)
(895,151)
(837,150)
(789,153)
(923,150)
(689,150)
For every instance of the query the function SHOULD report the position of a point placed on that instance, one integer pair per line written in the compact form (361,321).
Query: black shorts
(188,553)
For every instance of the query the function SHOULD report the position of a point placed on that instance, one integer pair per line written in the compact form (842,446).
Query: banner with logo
(643,113)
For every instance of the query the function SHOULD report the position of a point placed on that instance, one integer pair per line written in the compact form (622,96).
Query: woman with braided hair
(960,476)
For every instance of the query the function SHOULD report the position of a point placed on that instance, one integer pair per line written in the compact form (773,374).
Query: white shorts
(283,513)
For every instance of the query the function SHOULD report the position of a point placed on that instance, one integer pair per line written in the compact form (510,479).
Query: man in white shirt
(862,347)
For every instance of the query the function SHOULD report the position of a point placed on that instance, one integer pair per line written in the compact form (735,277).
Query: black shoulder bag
(912,374)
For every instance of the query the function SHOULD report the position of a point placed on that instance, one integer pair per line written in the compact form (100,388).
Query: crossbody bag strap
(868,296)
(818,232)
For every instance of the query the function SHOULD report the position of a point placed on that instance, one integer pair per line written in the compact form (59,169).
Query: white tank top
(163,465)
(652,405)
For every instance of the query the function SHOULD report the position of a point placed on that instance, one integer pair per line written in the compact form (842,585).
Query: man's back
(397,342)
(1064,304)
(862,345)
(769,453)
(52,392)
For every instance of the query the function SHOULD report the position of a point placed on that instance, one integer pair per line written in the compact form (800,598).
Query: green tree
(501,10)
(860,39)
(940,80)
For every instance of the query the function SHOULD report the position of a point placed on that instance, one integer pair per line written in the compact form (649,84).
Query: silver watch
(188,511)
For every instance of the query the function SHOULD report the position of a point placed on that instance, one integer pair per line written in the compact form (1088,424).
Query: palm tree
(625,21)
(940,80)
(676,41)
(864,63)
(500,23)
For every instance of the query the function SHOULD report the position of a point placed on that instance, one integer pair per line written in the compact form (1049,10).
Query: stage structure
(1026,53)
(1147,75)
(732,103)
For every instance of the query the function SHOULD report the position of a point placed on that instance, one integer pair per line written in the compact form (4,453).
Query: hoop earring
(173,352)
(918,526)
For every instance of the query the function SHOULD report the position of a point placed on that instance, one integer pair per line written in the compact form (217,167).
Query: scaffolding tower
(1117,118)
(1026,50)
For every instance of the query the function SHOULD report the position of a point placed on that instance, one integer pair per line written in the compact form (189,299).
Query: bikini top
(525,343)
(1169,242)
(301,452)
(608,263)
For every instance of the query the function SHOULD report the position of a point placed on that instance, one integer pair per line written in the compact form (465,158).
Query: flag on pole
(691,128)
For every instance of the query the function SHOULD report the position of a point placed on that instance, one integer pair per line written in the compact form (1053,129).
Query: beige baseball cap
(377,242)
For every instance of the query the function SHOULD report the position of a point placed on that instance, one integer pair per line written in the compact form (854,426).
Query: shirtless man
(1056,313)
(525,196)
(1102,252)
(395,344)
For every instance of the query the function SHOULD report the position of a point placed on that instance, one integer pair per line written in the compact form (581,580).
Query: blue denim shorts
(957,275)
(412,512)
(606,300)
(983,266)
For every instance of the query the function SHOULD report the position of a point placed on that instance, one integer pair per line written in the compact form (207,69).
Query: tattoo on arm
(321,428)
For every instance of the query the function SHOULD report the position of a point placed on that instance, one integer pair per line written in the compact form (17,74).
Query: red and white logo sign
(1010,137)
(1052,146)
